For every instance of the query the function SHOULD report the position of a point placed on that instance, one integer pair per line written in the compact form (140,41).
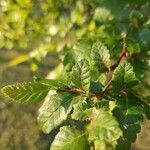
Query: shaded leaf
(129,112)
(100,55)
(81,75)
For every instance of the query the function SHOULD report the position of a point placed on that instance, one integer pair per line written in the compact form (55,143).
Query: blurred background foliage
(34,34)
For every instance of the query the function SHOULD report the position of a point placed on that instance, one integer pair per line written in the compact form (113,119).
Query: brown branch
(92,145)
(107,85)
(80,92)
(124,55)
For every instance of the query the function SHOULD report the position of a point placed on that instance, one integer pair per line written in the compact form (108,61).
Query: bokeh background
(32,36)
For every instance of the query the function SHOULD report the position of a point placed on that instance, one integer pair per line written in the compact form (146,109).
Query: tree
(96,101)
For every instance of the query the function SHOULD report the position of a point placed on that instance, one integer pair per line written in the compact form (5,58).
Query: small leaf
(81,75)
(134,47)
(103,126)
(100,55)
(79,112)
(26,92)
(54,111)
(96,87)
(144,37)
(69,138)
(124,76)
(101,14)
(82,49)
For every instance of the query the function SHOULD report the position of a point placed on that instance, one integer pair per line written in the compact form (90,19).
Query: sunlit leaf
(124,76)
(54,111)
(103,126)
(26,92)
(80,111)
(69,138)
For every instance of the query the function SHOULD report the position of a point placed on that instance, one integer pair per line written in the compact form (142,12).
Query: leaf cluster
(108,113)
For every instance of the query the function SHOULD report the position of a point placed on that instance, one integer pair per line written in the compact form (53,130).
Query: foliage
(23,29)
(96,100)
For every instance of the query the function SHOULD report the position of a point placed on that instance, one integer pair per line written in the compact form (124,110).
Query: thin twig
(124,54)
(96,94)
(107,85)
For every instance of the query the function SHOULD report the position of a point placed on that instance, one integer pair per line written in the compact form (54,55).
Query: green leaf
(129,113)
(144,37)
(101,145)
(55,110)
(80,110)
(101,14)
(69,138)
(68,59)
(129,133)
(96,87)
(147,111)
(81,75)
(103,126)
(134,47)
(141,66)
(53,84)
(26,92)
(124,76)
(82,49)
(100,55)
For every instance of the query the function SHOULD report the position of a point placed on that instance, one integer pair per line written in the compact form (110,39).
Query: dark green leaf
(144,37)
(129,112)
(81,75)
(100,55)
